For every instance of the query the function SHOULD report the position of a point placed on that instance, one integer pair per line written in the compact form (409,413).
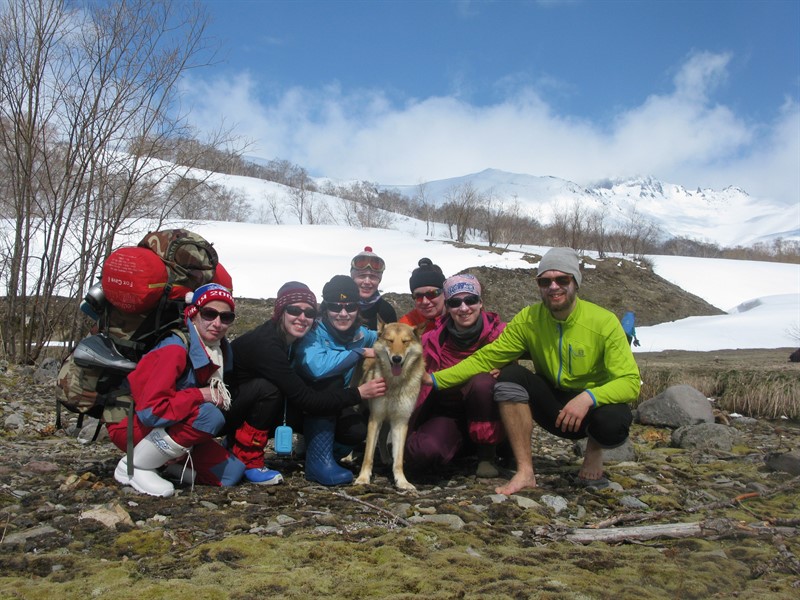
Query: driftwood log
(709,528)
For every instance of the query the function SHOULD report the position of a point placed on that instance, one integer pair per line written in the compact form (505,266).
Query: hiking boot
(263,476)
(152,452)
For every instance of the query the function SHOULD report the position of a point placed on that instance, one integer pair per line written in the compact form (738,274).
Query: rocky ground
(69,530)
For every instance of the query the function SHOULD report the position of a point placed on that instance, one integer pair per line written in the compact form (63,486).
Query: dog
(398,359)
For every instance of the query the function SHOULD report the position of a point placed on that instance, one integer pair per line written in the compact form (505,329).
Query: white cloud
(681,137)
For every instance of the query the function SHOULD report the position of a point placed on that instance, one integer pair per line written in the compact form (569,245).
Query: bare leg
(592,467)
(519,426)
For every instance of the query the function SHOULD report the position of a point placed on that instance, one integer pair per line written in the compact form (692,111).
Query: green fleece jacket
(588,351)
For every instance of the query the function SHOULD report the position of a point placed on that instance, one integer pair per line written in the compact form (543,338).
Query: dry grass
(749,382)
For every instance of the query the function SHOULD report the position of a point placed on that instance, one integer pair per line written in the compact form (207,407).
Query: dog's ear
(420,329)
(381,325)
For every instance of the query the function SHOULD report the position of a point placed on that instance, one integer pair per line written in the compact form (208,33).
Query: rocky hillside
(619,285)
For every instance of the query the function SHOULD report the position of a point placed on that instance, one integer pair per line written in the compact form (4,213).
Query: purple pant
(447,418)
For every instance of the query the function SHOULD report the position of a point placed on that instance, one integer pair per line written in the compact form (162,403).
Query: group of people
(205,408)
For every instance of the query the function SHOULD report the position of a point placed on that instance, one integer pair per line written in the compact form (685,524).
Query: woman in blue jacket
(328,356)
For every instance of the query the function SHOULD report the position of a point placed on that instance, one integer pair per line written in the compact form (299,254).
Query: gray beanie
(561,259)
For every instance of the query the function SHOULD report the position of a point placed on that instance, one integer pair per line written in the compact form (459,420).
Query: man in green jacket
(585,374)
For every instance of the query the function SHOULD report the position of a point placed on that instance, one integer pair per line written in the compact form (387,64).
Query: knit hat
(426,274)
(461,284)
(205,294)
(367,262)
(340,288)
(292,292)
(561,259)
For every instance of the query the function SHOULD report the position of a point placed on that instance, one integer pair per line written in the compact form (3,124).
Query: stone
(524,502)
(556,503)
(676,406)
(788,462)
(705,436)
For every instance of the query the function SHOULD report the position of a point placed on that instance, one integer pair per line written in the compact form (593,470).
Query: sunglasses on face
(209,314)
(337,307)
(296,311)
(561,281)
(470,300)
(420,296)
(373,263)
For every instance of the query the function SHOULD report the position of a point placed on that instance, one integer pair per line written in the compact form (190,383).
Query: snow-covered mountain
(728,217)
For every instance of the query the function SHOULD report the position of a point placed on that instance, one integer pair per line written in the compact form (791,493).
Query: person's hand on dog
(369,353)
(372,389)
(427,379)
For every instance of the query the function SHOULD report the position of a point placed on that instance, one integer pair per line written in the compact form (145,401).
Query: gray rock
(556,503)
(705,436)
(633,503)
(788,462)
(14,421)
(674,407)
(47,371)
(452,521)
(524,502)
(29,534)
(623,453)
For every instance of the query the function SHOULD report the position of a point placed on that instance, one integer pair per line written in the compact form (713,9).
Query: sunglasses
(373,263)
(296,311)
(337,307)
(561,281)
(419,296)
(470,300)
(209,314)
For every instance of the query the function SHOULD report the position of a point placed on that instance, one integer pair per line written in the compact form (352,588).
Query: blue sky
(699,93)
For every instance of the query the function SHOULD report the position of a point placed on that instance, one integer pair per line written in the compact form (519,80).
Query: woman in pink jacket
(445,421)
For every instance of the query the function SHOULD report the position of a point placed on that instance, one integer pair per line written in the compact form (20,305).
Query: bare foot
(592,467)
(518,482)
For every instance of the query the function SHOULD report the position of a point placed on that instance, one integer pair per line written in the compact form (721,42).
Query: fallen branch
(388,513)
(709,528)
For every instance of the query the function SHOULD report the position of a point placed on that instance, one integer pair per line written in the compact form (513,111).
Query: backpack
(139,301)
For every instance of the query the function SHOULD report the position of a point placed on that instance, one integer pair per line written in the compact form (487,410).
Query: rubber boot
(248,447)
(155,450)
(320,464)
(486,467)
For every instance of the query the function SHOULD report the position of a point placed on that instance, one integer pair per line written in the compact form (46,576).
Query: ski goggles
(420,296)
(209,314)
(470,300)
(296,311)
(561,281)
(337,307)
(373,263)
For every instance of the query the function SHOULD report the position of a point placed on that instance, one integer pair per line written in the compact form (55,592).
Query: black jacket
(263,353)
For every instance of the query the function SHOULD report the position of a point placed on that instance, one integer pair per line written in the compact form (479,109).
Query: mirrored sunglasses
(420,296)
(470,300)
(337,307)
(296,311)
(373,263)
(561,281)
(209,314)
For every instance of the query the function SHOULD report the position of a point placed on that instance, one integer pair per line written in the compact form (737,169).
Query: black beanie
(341,288)
(426,274)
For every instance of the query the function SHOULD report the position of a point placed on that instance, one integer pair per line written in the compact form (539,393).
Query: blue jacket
(320,355)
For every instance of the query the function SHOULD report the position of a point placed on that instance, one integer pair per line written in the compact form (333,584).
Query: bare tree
(75,89)
(462,203)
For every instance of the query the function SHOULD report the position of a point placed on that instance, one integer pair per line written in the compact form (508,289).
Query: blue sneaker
(263,476)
